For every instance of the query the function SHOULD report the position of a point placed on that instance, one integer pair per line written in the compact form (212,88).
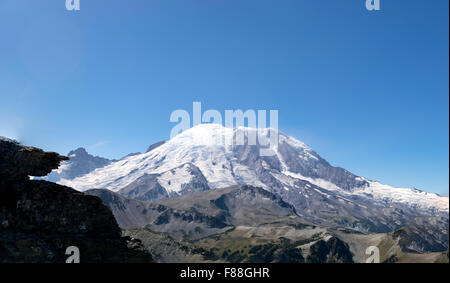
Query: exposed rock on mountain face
(317,168)
(149,187)
(39,220)
(155,145)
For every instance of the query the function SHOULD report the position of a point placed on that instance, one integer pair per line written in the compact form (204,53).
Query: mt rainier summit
(199,160)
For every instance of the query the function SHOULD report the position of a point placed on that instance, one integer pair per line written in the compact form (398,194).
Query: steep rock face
(18,162)
(39,220)
(178,181)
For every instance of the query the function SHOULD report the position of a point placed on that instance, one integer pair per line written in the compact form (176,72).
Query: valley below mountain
(249,224)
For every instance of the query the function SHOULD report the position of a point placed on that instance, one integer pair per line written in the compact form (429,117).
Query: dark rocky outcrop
(332,250)
(18,162)
(155,145)
(39,220)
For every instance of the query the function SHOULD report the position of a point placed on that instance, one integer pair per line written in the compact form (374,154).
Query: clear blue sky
(367,90)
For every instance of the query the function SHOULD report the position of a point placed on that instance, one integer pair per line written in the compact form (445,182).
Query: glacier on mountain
(295,172)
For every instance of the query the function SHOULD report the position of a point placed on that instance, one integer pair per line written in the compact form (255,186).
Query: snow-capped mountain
(201,158)
(80,163)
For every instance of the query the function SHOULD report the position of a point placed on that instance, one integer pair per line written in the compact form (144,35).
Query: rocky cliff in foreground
(39,220)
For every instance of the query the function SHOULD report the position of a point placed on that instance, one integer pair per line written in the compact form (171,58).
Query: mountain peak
(219,135)
(80,163)
(77,152)
(295,173)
